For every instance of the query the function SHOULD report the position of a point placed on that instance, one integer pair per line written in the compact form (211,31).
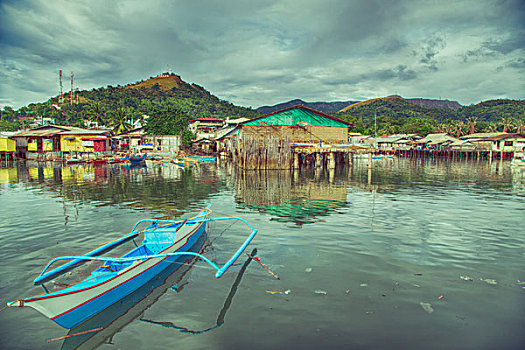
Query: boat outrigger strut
(91,256)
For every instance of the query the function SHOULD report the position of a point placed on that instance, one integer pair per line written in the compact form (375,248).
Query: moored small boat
(137,160)
(165,242)
(99,161)
(75,160)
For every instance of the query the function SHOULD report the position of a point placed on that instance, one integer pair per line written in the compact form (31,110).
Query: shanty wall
(252,152)
(297,133)
(7,145)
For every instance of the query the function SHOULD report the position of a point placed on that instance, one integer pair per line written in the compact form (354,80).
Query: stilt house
(298,124)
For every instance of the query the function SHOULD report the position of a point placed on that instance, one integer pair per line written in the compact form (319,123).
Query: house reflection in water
(300,199)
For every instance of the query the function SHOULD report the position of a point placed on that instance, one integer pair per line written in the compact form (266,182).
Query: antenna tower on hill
(72,96)
(60,96)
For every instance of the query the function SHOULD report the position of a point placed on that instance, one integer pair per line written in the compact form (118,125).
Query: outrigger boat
(165,242)
(136,159)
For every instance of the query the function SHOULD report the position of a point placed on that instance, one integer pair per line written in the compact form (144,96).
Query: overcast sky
(263,52)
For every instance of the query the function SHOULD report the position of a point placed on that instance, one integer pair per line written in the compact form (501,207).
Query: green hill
(166,94)
(394,114)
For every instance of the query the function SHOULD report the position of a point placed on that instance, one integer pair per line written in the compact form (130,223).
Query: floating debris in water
(308,269)
(363,285)
(369,312)
(320,292)
(418,274)
(288,291)
(347,291)
(520,282)
(416,285)
(427,307)
(441,297)
(489,281)
(466,278)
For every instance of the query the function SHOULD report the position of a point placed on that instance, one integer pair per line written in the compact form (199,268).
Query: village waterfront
(408,253)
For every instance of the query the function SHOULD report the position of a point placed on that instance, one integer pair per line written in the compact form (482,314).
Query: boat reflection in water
(222,313)
(101,327)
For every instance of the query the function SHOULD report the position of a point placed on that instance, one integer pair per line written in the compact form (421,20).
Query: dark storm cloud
(429,51)
(256,53)
(506,45)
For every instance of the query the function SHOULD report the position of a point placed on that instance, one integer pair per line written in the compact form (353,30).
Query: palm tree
(492,128)
(472,121)
(119,120)
(520,126)
(96,114)
(459,128)
(507,124)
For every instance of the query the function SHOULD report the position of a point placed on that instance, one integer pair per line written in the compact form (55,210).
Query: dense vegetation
(166,97)
(170,103)
(395,115)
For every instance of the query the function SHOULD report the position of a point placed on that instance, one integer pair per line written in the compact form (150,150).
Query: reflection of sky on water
(407,235)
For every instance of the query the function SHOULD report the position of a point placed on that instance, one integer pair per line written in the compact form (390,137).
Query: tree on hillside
(507,124)
(166,120)
(96,114)
(472,121)
(119,120)
(459,127)
(492,128)
(446,128)
(520,125)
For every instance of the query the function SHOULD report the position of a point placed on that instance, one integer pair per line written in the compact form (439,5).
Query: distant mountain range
(341,106)
(325,107)
(170,100)
(429,103)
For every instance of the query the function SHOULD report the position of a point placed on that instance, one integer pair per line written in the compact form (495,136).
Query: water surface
(363,257)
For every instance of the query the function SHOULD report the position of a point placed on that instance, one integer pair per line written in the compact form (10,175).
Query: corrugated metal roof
(38,133)
(481,135)
(503,137)
(47,131)
(298,115)
(226,132)
(437,138)
(138,131)
(206,120)
(85,132)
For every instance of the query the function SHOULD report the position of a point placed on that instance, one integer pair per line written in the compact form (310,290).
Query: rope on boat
(21,301)
(74,335)
(256,258)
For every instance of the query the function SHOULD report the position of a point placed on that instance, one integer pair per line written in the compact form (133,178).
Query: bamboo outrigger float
(165,242)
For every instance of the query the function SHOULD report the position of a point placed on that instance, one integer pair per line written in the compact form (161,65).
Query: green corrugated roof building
(298,116)
(298,124)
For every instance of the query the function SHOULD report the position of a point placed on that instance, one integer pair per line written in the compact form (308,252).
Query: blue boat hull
(80,304)
(85,311)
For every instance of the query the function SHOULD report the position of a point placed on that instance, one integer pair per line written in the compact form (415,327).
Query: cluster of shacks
(482,143)
(52,142)
(283,139)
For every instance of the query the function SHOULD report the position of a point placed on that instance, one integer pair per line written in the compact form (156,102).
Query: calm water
(367,261)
